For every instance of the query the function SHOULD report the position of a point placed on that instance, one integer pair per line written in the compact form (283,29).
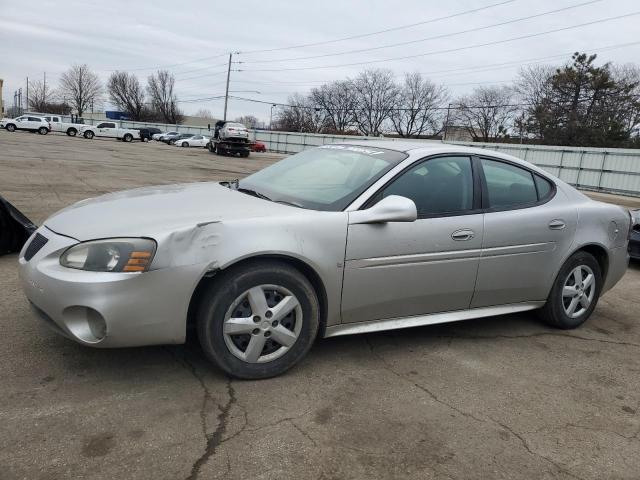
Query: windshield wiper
(293,204)
(248,191)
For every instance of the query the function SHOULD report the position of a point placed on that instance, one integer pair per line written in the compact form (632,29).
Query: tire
(43,130)
(88,135)
(72,132)
(210,147)
(185,144)
(220,151)
(227,296)
(127,137)
(10,127)
(558,311)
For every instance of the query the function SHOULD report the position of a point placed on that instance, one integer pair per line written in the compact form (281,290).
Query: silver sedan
(336,240)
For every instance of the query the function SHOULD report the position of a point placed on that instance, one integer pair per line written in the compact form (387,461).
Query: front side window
(438,186)
(325,178)
(508,186)
(35,119)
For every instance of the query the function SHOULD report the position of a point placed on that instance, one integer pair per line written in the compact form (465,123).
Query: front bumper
(104,309)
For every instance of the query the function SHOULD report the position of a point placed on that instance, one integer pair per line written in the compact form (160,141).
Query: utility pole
(20,100)
(226,95)
(446,124)
(27,102)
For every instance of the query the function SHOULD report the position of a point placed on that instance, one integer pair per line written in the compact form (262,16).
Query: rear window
(508,186)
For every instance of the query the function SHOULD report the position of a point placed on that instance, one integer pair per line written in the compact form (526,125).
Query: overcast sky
(190,38)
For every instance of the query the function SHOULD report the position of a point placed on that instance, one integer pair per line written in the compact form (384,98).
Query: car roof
(435,147)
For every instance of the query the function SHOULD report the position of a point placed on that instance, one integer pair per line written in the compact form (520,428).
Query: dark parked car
(147,132)
(634,239)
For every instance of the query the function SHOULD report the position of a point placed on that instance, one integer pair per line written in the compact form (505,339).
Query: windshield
(324,178)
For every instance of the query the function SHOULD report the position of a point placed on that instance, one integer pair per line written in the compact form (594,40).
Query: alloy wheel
(262,324)
(578,291)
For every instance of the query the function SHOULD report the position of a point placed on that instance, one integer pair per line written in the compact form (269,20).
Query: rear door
(528,230)
(399,269)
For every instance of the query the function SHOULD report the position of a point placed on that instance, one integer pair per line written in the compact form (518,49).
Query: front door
(404,269)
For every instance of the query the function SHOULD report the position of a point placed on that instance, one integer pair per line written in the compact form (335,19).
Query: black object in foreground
(15,228)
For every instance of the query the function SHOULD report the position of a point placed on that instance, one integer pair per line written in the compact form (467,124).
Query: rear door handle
(464,234)
(557,224)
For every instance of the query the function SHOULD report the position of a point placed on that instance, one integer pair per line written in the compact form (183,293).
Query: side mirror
(390,209)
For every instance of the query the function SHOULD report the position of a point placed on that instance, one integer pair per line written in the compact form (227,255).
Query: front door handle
(464,234)
(557,224)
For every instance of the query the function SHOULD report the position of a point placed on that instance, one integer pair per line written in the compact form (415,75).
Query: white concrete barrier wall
(609,170)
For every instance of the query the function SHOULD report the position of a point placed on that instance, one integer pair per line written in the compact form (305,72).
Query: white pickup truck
(109,130)
(58,124)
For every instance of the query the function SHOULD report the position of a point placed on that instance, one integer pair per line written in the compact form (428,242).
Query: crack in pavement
(539,334)
(215,438)
(433,396)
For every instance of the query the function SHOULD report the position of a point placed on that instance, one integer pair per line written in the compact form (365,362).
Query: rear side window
(508,186)
(544,187)
(34,119)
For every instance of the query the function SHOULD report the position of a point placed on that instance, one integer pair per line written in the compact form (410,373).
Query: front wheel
(258,320)
(43,130)
(575,292)
(185,144)
(88,135)
(11,127)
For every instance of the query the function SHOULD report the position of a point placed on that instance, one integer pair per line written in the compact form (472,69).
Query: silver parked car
(336,240)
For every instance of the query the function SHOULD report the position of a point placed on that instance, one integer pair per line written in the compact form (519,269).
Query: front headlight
(111,255)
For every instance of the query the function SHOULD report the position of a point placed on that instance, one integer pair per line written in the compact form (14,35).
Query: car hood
(145,212)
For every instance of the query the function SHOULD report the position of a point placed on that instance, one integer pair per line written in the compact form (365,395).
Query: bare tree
(418,109)
(376,95)
(127,94)
(41,95)
(163,99)
(301,115)
(204,113)
(486,113)
(338,102)
(81,87)
(248,121)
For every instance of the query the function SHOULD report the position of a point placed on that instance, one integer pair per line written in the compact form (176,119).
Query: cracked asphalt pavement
(503,397)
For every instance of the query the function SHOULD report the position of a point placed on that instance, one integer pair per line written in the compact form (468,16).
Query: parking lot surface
(503,397)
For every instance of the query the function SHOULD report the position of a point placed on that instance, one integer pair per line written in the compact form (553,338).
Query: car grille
(34,247)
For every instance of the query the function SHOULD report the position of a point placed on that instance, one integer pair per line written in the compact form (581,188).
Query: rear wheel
(258,320)
(88,135)
(43,130)
(210,147)
(127,137)
(575,292)
(72,132)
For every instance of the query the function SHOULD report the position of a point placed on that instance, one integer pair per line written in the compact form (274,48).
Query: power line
(450,50)
(363,35)
(435,37)
(158,67)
